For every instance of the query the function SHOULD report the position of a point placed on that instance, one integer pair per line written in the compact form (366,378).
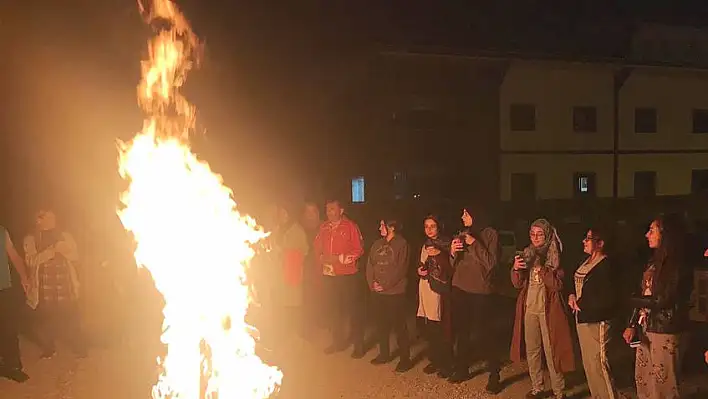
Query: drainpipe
(620,77)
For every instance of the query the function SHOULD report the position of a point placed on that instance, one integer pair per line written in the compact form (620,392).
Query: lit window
(584,184)
(358,190)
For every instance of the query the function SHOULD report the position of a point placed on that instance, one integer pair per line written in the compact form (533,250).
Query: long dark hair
(442,242)
(670,256)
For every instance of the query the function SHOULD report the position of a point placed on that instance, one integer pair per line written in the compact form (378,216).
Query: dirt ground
(123,372)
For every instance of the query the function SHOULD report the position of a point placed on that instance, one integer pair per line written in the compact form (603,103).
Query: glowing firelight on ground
(189,234)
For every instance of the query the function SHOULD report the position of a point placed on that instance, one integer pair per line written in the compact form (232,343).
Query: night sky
(273,90)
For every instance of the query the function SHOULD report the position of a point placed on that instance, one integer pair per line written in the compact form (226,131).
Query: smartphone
(520,254)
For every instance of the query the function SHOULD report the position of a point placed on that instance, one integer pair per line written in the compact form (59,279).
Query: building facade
(605,129)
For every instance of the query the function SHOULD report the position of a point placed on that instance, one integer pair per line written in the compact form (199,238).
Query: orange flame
(188,232)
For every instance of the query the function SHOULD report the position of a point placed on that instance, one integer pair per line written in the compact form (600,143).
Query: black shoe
(404,365)
(380,359)
(335,348)
(535,395)
(430,369)
(358,353)
(493,385)
(16,375)
(459,376)
(444,373)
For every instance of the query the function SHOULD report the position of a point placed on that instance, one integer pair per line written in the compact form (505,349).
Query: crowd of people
(455,290)
(311,268)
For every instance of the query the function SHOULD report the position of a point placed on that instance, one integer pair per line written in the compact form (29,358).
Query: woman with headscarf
(661,308)
(541,326)
(434,290)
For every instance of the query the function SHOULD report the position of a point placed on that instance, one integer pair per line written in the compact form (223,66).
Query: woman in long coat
(541,326)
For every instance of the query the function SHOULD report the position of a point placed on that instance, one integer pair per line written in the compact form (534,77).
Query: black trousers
(9,343)
(344,294)
(439,346)
(61,321)
(471,313)
(390,313)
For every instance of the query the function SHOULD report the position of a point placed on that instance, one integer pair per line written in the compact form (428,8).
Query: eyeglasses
(537,235)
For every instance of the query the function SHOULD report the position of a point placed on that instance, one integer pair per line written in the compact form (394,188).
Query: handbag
(437,283)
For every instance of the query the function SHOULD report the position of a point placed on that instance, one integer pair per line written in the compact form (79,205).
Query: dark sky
(273,86)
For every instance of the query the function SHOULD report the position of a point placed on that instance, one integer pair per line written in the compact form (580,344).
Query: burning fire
(189,233)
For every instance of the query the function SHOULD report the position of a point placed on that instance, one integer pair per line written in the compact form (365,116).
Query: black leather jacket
(668,311)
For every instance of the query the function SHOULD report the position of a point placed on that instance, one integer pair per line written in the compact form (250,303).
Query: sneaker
(380,359)
(16,375)
(430,369)
(335,348)
(404,365)
(493,385)
(534,394)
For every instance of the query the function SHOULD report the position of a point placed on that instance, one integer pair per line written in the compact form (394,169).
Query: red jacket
(343,241)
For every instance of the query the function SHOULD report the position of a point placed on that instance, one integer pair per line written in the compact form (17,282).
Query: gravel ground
(124,373)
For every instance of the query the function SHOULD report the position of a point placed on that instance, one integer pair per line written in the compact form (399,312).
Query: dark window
(522,117)
(584,184)
(699,181)
(523,187)
(644,184)
(645,120)
(700,121)
(584,119)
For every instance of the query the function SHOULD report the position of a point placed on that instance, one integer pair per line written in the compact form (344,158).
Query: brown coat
(558,326)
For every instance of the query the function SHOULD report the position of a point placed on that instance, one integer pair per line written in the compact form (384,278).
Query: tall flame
(188,233)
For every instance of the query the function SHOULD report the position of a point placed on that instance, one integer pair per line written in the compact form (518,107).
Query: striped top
(583,271)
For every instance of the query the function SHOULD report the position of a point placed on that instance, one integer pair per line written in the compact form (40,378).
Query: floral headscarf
(551,249)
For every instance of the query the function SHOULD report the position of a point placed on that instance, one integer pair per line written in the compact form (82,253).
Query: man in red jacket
(338,246)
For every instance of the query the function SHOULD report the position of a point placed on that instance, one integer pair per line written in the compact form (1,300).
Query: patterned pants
(657,368)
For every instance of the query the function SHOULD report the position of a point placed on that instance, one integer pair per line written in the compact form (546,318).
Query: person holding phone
(474,256)
(540,325)
(660,313)
(434,308)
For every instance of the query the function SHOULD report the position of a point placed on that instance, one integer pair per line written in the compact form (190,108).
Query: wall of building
(555,173)
(674,93)
(673,171)
(555,88)
(554,152)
